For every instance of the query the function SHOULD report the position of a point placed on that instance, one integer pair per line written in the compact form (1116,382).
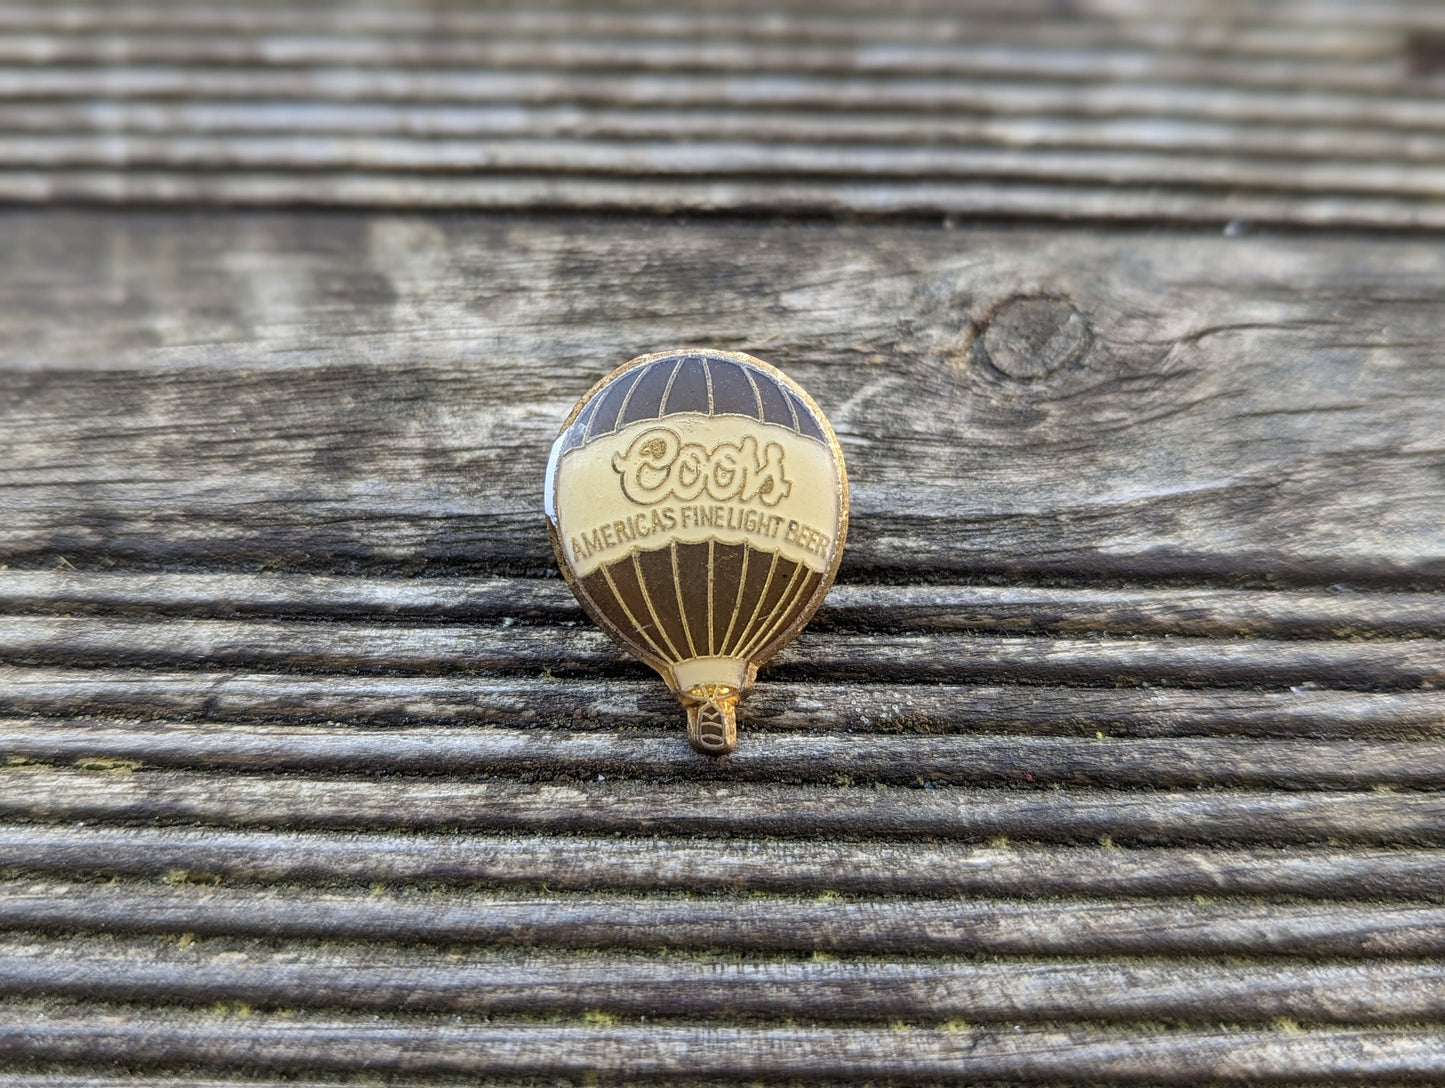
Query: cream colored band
(735,672)
(691,478)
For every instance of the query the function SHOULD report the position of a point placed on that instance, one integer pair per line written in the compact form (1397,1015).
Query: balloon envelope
(697,501)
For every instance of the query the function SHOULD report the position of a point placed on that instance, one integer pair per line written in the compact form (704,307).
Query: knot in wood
(1030,338)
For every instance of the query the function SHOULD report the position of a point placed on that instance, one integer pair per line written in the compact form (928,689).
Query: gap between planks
(391,192)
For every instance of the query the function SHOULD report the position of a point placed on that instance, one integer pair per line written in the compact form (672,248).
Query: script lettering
(658,464)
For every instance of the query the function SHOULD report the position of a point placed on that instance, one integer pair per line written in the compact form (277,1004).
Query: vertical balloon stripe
(724,570)
(807,585)
(604,416)
(682,609)
(747,630)
(789,400)
(689,388)
(780,613)
(807,425)
(749,375)
(627,398)
(757,592)
(634,626)
(584,422)
(656,567)
(673,655)
(775,405)
(667,389)
(738,599)
(695,567)
(765,622)
(732,390)
(646,400)
(711,571)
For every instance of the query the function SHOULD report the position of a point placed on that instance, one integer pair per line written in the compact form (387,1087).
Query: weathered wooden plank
(776,706)
(884,164)
(1280,28)
(538,984)
(1151,95)
(152,1080)
(831,128)
(1195,422)
(754,809)
(1048,51)
(367,393)
(813,757)
(342,645)
(1235,209)
(1173,610)
(484,598)
(84,1080)
(395,1045)
(1243,33)
(910,927)
(572,52)
(862,868)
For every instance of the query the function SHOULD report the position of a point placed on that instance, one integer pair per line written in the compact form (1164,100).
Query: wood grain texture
(836,924)
(778,706)
(274,1043)
(1106,112)
(649,756)
(1115,757)
(710,865)
(432,648)
(824,198)
(1279,423)
(1176,610)
(159,798)
(859,990)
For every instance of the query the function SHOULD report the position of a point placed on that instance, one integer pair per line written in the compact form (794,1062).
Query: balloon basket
(712,722)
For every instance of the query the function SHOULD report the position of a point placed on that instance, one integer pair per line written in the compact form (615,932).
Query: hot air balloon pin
(697,502)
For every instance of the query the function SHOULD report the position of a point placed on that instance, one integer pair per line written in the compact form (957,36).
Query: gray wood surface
(346,1045)
(634,985)
(1199,926)
(376,392)
(1309,114)
(1117,756)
